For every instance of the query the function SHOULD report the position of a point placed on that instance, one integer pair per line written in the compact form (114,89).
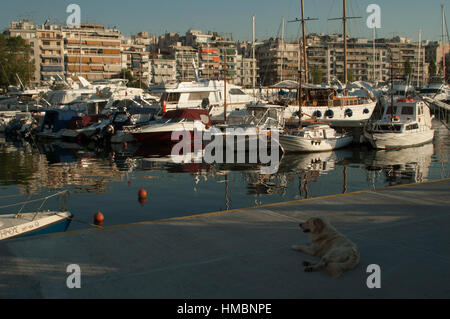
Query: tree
(14,60)
(316,75)
(408,68)
(350,76)
(432,68)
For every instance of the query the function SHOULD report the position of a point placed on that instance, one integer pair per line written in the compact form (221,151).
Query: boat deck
(245,253)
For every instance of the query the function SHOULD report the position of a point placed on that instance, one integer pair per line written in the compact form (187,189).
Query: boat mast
(253,57)
(299,95)
(443,44)
(344,19)
(282,47)
(418,59)
(305,56)
(374,51)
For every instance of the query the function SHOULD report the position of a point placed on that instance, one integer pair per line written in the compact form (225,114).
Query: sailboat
(326,103)
(317,137)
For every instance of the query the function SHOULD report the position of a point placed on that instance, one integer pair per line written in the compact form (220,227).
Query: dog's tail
(336,269)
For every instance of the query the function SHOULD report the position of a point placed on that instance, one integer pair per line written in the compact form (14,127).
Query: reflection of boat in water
(34,223)
(322,162)
(403,165)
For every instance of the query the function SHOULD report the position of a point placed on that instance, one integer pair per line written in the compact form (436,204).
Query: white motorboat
(404,124)
(206,94)
(34,223)
(314,138)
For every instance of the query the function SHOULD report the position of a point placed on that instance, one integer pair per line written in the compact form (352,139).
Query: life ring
(349,112)
(329,113)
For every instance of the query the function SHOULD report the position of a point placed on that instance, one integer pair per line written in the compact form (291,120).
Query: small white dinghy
(314,138)
(35,223)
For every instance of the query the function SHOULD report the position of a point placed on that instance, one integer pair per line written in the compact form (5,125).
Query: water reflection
(404,166)
(35,168)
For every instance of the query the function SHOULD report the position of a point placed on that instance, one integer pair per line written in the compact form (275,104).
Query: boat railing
(63,201)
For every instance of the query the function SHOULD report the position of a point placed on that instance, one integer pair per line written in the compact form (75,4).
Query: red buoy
(142,193)
(99,219)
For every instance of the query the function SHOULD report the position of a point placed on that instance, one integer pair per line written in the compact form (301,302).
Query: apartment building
(47,48)
(92,51)
(162,70)
(185,57)
(277,60)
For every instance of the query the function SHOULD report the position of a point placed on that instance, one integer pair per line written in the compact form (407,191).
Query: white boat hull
(292,143)
(341,116)
(11,227)
(399,140)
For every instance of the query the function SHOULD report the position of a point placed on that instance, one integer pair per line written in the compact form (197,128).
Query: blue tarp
(57,119)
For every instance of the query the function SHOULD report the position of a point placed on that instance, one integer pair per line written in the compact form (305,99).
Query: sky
(233,17)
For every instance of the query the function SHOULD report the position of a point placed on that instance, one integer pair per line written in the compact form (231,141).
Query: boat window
(414,126)
(390,128)
(198,96)
(236,92)
(407,110)
(391,111)
(170,97)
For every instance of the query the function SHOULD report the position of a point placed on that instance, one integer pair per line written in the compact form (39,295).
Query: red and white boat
(181,120)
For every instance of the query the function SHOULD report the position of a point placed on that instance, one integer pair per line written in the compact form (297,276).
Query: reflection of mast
(227,201)
(345,179)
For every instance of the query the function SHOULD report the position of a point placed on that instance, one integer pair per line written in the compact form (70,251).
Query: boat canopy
(58,119)
(190,114)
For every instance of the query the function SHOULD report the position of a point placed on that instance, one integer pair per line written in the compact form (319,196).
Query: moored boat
(404,124)
(314,138)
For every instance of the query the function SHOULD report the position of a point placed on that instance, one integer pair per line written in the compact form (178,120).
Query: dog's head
(313,225)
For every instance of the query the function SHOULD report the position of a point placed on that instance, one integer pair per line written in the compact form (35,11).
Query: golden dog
(337,252)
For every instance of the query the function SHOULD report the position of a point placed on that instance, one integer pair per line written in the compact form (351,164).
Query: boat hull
(291,143)
(29,225)
(386,141)
(340,118)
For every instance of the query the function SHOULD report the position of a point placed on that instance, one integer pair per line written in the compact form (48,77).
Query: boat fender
(329,113)
(349,112)
(366,111)
(317,113)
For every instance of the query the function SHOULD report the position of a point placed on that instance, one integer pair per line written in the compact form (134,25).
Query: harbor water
(109,180)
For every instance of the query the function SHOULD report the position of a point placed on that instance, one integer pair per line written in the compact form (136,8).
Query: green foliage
(408,68)
(432,68)
(14,59)
(316,75)
(351,76)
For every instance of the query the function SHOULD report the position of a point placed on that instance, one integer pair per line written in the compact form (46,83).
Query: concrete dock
(246,253)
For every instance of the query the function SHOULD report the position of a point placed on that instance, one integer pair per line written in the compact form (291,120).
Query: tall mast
(374,52)
(305,57)
(418,59)
(303,52)
(253,57)
(344,20)
(443,44)
(282,47)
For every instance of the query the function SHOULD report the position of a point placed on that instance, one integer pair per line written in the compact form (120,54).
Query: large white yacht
(407,122)
(206,94)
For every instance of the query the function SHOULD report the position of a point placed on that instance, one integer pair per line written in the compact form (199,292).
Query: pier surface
(246,253)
